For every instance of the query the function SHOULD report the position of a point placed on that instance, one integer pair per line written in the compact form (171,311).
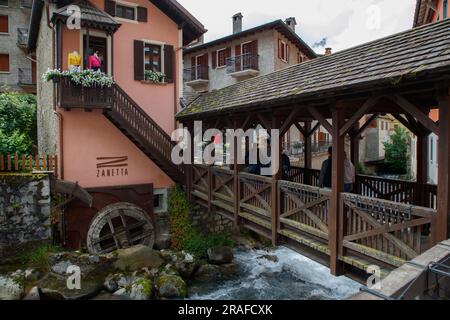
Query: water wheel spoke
(142,236)
(119,231)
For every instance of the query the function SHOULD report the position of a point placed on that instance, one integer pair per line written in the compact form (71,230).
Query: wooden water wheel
(118,226)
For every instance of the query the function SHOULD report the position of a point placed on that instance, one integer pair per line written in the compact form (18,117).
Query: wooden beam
(289,121)
(365,108)
(440,230)
(366,125)
(406,123)
(411,109)
(314,129)
(266,124)
(335,213)
(319,117)
(300,128)
(308,152)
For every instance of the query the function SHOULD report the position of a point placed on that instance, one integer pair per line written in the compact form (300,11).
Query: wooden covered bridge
(385,222)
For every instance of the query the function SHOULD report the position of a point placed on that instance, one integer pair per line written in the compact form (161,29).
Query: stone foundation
(25,210)
(210,222)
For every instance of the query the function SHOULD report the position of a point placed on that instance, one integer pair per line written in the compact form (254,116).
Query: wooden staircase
(144,132)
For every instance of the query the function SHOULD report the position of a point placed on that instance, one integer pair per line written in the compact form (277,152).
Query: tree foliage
(396,152)
(18,127)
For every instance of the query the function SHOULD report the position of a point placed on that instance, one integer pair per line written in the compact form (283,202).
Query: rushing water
(292,277)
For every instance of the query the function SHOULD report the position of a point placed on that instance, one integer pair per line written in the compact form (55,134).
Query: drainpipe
(61,145)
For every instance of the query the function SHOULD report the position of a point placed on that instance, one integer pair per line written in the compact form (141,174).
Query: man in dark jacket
(326,171)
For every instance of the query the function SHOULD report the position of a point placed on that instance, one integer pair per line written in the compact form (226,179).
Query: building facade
(17,68)
(116,137)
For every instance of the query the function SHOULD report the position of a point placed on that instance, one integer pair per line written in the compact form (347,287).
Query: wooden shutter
(142,14)
(4,62)
(228,53)
(138,60)
(287,53)
(169,63)
(110,7)
(4,25)
(214,59)
(280,48)
(237,52)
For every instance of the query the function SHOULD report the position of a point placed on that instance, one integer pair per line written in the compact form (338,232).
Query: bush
(18,124)
(397,152)
(184,235)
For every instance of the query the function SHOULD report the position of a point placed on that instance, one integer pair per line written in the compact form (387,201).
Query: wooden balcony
(72,96)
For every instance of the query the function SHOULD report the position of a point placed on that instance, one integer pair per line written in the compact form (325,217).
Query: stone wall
(25,209)
(209,222)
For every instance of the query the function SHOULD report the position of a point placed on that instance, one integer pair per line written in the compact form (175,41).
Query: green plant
(396,152)
(86,78)
(38,257)
(18,123)
(184,235)
(154,76)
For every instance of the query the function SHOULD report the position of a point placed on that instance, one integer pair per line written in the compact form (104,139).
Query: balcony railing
(77,96)
(22,36)
(26,77)
(26,3)
(242,63)
(198,72)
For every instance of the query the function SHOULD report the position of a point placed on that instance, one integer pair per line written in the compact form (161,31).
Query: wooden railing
(303,209)
(76,96)
(383,230)
(28,163)
(304,176)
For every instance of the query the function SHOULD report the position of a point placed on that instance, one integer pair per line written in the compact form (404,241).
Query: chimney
(291,22)
(328,51)
(237,23)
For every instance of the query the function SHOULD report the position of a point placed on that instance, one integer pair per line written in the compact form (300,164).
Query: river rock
(220,255)
(110,284)
(10,288)
(33,294)
(59,262)
(138,257)
(208,273)
(171,287)
(32,275)
(271,258)
(141,289)
(229,270)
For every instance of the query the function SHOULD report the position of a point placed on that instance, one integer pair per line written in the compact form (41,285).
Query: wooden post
(236,184)
(308,153)
(189,167)
(277,176)
(422,167)
(440,231)
(210,188)
(335,215)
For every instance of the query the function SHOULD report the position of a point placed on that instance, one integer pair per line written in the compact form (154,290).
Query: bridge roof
(421,53)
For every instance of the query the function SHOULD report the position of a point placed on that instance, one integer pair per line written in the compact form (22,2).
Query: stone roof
(385,62)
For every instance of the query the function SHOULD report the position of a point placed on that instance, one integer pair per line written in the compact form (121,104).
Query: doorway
(92,44)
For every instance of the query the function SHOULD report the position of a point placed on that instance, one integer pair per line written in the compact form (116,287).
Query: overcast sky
(342,23)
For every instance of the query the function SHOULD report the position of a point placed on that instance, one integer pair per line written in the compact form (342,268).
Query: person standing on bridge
(325,172)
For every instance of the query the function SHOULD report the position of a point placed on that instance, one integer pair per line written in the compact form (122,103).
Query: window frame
(301,57)
(161,55)
(9,63)
(445,9)
(128,6)
(7,18)
(284,50)
(5,5)
(224,50)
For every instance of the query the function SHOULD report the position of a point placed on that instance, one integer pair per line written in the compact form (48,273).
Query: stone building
(17,68)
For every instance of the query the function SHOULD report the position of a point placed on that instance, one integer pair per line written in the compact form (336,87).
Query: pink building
(113,141)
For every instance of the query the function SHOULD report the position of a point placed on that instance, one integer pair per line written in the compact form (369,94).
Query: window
(152,57)
(4,62)
(222,58)
(4,24)
(4,3)
(445,9)
(283,51)
(125,12)
(300,57)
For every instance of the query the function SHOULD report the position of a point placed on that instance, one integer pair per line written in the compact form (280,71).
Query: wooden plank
(16,162)
(411,109)
(375,254)
(305,228)
(8,157)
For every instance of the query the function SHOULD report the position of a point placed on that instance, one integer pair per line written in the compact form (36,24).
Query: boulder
(33,294)
(110,284)
(32,275)
(269,257)
(229,270)
(220,255)
(141,289)
(10,288)
(171,287)
(208,273)
(138,257)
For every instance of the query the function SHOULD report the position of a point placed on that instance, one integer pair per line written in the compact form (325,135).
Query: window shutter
(214,59)
(287,53)
(4,25)
(237,52)
(169,63)
(142,14)
(138,60)
(110,7)
(255,47)
(228,53)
